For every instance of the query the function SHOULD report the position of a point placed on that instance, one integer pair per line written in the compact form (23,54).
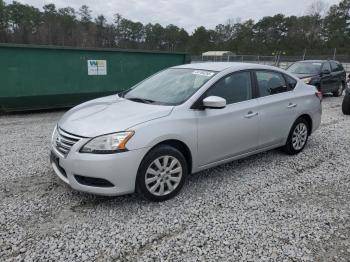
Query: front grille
(64,141)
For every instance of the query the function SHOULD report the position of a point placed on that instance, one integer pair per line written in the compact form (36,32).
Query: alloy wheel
(340,89)
(299,137)
(163,175)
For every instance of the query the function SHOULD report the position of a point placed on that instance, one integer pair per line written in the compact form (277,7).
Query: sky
(188,14)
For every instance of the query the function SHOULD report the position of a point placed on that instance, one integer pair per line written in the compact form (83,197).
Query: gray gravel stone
(267,207)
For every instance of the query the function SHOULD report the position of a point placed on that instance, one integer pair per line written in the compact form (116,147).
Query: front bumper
(118,169)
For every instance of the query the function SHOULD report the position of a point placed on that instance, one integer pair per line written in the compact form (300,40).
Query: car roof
(221,66)
(312,61)
(316,61)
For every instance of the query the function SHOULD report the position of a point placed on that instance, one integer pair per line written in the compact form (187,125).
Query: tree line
(319,31)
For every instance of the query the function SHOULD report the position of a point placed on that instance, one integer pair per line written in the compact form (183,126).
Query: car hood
(109,115)
(302,76)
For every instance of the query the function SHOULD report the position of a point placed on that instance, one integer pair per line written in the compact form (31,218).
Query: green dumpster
(44,77)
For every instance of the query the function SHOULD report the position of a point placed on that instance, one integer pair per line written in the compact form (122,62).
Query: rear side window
(234,88)
(340,67)
(270,83)
(291,82)
(336,67)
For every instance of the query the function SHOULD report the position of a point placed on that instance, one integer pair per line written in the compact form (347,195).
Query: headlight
(107,144)
(307,80)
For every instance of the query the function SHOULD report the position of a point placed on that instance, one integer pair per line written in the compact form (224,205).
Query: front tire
(346,103)
(297,138)
(339,91)
(162,174)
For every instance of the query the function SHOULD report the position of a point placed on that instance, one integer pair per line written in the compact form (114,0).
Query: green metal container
(43,77)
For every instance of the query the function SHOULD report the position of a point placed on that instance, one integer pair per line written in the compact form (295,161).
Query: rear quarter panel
(308,103)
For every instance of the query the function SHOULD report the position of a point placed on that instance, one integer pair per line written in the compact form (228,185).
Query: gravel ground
(266,207)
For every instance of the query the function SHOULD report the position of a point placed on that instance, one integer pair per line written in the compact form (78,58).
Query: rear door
(277,106)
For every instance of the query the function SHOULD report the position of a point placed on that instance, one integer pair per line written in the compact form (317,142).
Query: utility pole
(334,54)
(304,54)
(278,56)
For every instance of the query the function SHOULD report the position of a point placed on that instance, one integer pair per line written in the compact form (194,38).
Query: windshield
(305,68)
(169,87)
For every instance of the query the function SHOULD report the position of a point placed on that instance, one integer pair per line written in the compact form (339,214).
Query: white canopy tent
(217,55)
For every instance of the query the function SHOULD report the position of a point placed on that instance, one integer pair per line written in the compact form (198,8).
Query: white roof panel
(217,53)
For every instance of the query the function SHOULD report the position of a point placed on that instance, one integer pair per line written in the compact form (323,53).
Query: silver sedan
(179,121)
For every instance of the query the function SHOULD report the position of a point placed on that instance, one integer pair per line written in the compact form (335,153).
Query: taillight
(319,95)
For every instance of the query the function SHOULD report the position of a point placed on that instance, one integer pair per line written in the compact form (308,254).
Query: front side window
(326,66)
(169,87)
(291,82)
(235,88)
(270,83)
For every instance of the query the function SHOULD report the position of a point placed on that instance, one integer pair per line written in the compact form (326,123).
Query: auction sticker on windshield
(203,73)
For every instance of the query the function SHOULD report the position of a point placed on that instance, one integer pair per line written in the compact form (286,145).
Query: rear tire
(162,174)
(346,103)
(339,91)
(297,138)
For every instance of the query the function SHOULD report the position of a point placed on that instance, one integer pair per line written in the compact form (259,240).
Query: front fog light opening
(93,181)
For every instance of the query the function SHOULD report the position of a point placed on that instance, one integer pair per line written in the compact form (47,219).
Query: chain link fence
(268,60)
(279,61)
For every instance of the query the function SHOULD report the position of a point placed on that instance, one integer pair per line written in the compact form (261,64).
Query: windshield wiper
(122,93)
(142,100)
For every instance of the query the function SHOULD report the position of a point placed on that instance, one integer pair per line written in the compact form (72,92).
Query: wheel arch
(308,119)
(179,145)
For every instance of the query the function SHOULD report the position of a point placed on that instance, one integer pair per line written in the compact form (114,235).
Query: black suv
(328,76)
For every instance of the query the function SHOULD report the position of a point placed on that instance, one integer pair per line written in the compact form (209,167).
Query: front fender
(151,133)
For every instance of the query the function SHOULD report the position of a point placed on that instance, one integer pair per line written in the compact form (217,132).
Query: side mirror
(214,102)
(326,72)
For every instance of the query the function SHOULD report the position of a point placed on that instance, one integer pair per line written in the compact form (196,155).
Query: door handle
(251,114)
(292,105)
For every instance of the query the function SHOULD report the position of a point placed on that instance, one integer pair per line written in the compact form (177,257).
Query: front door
(335,76)
(327,80)
(233,130)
